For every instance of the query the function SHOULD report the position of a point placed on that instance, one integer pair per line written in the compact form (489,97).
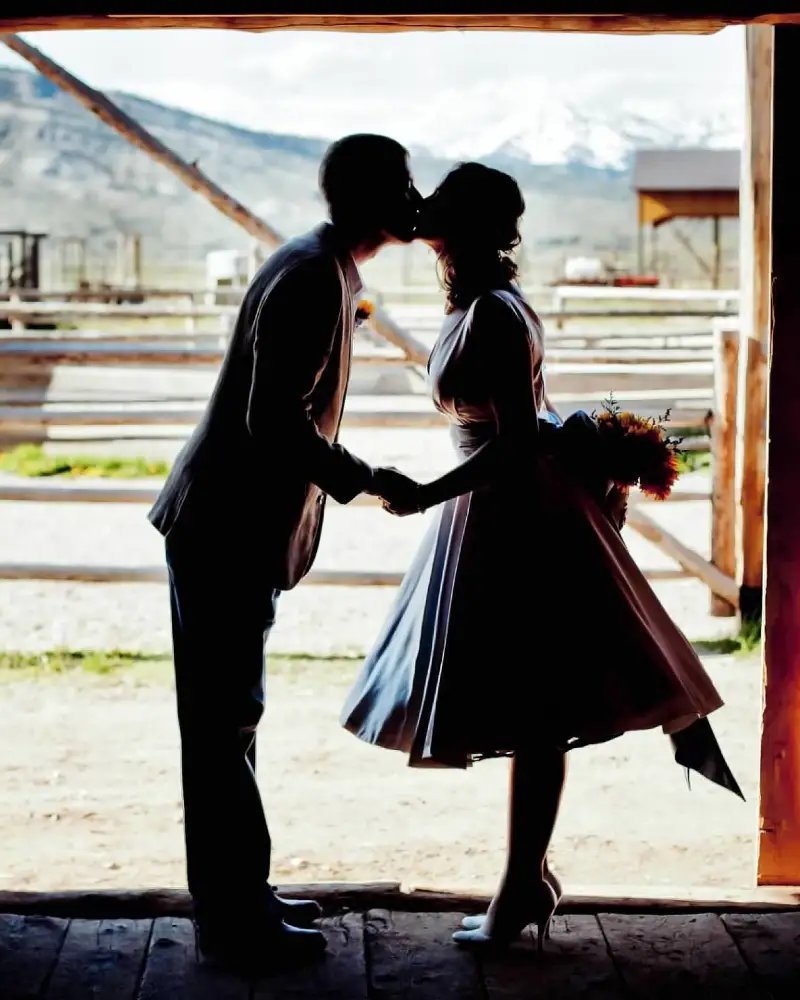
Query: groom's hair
(361,177)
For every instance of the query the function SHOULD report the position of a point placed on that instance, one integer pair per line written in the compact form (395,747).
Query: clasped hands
(399,494)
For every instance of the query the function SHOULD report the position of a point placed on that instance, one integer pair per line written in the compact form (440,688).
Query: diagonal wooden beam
(131,130)
(192,177)
(717,581)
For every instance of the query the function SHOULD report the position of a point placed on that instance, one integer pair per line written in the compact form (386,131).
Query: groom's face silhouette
(367,183)
(402,203)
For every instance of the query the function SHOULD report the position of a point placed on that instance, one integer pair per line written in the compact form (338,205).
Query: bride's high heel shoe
(474,923)
(504,932)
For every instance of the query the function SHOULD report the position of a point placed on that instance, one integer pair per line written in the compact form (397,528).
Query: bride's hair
(474,215)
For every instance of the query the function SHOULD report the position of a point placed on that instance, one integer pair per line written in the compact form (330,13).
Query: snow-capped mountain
(559,133)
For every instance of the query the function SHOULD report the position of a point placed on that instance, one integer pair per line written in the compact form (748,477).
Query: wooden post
(723,461)
(654,261)
(754,313)
(137,261)
(121,272)
(717,268)
(639,249)
(779,839)
(83,272)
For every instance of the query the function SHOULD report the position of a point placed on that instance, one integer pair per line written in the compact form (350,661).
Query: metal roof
(686,170)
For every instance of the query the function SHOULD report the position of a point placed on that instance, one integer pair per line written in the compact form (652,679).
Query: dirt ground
(90,792)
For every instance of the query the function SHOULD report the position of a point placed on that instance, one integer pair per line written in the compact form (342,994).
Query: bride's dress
(523,616)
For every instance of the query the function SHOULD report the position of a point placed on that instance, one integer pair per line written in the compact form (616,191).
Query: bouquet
(634,451)
(637,451)
(614,451)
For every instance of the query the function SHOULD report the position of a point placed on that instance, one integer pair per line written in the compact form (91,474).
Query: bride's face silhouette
(474,206)
(429,223)
(401,206)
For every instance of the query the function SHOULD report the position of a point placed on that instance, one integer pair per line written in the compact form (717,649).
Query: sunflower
(637,451)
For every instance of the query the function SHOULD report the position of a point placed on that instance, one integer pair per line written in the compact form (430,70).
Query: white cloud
(425,88)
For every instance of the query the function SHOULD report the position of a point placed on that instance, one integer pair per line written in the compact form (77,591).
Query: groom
(242,512)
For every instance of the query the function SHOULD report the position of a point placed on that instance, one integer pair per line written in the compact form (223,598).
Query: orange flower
(637,451)
(660,481)
(364,310)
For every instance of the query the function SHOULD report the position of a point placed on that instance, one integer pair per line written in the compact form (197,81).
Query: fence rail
(22,491)
(648,369)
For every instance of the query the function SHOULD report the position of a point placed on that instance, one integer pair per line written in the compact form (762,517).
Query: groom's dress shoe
(257,947)
(298,912)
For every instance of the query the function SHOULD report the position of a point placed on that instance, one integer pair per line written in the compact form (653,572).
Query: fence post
(723,460)
(558,307)
(16,323)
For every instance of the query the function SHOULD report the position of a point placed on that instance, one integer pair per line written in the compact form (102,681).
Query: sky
(434,89)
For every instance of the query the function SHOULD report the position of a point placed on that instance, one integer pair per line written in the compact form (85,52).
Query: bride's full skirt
(523,618)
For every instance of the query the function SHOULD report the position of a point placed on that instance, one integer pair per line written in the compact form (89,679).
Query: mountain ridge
(64,171)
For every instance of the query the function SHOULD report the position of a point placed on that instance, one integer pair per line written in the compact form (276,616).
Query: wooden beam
(694,564)
(686,243)
(754,256)
(69,347)
(158,574)
(54,490)
(18,309)
(16,420)
(779,840)
(659,207)
(98,904)
(131,130)
(104,310)
(194,178)
(723,464)
(635,22)
(19,356)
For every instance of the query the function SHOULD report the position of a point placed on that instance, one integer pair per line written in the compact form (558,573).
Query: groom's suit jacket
(265,453)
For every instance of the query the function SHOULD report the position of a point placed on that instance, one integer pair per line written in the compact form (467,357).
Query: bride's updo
(472,220)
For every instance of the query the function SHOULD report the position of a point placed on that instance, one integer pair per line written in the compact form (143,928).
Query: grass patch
(60,661)
(31,460)
(693,461)
(156,668)
(746,641)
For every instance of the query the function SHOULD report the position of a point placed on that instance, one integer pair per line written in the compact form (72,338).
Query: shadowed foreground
(388,955)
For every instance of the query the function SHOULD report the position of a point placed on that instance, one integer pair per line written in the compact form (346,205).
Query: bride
(523,628)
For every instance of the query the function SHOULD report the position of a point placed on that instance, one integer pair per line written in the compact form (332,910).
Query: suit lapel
(347,327)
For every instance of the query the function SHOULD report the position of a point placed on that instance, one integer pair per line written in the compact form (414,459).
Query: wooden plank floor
(383,955)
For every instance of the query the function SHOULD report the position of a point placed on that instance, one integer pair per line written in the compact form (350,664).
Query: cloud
(420,86)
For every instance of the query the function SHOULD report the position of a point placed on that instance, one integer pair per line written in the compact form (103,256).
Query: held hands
(397,491)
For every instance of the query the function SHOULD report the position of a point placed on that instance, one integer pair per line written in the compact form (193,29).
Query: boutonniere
(364,311)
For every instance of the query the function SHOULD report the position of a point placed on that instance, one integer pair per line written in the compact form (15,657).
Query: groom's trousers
(221,616)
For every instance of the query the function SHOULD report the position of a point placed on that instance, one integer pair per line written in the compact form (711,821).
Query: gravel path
(91,763)
(91,794)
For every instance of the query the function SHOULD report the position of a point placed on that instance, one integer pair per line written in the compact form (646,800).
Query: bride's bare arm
(509,377)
